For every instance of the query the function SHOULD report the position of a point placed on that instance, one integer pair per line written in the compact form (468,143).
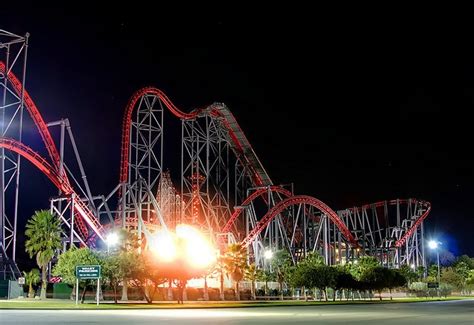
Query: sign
(21,280)
(433,285)
(88,272)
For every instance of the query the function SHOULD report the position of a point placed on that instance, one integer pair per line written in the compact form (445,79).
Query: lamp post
(432,244)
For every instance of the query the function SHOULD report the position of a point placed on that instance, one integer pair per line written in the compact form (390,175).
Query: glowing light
(197,249)
(433,244)
(164,246)
(268,254)
(187,244)
(112,239)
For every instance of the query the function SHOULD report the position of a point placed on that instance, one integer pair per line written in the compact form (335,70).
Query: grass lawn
(67,304)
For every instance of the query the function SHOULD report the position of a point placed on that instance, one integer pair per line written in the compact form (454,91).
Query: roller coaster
(223,189)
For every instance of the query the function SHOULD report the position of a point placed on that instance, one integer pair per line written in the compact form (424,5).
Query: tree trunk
(83,296)
(125,290)
(334,295)
(221,293)
(390,290)
(115,292)
(252,288)
(325,294)
(170,291)
(281,290)
(44,281)
(304,294)
(380,295)
(237,291)
(185,293)
(206,291)
(266,288)
(31,293)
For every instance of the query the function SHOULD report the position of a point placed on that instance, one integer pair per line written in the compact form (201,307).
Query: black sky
(350,108)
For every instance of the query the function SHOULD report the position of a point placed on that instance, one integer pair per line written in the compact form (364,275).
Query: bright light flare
(112,239)
(188,243)
(433,244)
(197,249)
(164,246)
(268,254)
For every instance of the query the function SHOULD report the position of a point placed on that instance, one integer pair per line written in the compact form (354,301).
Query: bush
(418,289)
(445,289)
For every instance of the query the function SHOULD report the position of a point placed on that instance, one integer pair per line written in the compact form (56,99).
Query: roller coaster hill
(223,188)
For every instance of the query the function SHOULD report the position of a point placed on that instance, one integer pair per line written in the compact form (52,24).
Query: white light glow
(188,243)
(268,254)
(432,244)
(197,249)
(164,246)
(112,239)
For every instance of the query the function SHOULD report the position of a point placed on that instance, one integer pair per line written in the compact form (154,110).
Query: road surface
(448,312)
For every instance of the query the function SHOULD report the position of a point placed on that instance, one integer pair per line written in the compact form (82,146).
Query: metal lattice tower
(13,58)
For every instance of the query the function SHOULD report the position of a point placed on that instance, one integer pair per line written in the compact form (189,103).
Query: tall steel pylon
(13,58)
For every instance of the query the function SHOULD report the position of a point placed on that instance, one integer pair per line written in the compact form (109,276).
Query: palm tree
(251,274)
(235,264)
(43,232)
(31,278)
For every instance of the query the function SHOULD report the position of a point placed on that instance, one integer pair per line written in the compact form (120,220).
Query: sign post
(86,272)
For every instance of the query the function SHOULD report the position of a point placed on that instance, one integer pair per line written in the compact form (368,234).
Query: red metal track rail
(259,192)
(240,143)
(37,118)
(417,223)
(58,181)
(413,228)
(299,199)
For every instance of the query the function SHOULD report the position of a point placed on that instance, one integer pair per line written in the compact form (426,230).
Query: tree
(251,274)
(117,267)
(67,262)
(43,233)
(32,278)
(281,264)
(362,265)
(469,261)
(377,278)
(408,273)
(235,263)
(453,278)
(343,280)
(265,276)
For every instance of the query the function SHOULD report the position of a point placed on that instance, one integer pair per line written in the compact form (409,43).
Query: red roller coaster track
(37,118)
(412,229)
(240,145)
(38,161)
(259,192)
(299,199)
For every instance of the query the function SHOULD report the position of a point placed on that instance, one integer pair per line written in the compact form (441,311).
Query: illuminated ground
(446,312)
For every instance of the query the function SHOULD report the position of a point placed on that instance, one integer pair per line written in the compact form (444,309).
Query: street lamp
(432,244)
(111,240)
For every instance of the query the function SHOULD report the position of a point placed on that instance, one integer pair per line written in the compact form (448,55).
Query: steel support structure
(13,57)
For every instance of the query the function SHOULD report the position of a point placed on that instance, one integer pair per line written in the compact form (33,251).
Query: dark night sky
(349,108)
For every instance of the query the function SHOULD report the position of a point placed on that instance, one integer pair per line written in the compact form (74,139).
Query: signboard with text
(88,272)
(433,285)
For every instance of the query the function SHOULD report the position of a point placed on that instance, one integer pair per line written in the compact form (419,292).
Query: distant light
(112,239)
(268,254)
(433,244)
(356,261)
(412,266)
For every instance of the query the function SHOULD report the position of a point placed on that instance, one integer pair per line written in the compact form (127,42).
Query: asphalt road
(449,312)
